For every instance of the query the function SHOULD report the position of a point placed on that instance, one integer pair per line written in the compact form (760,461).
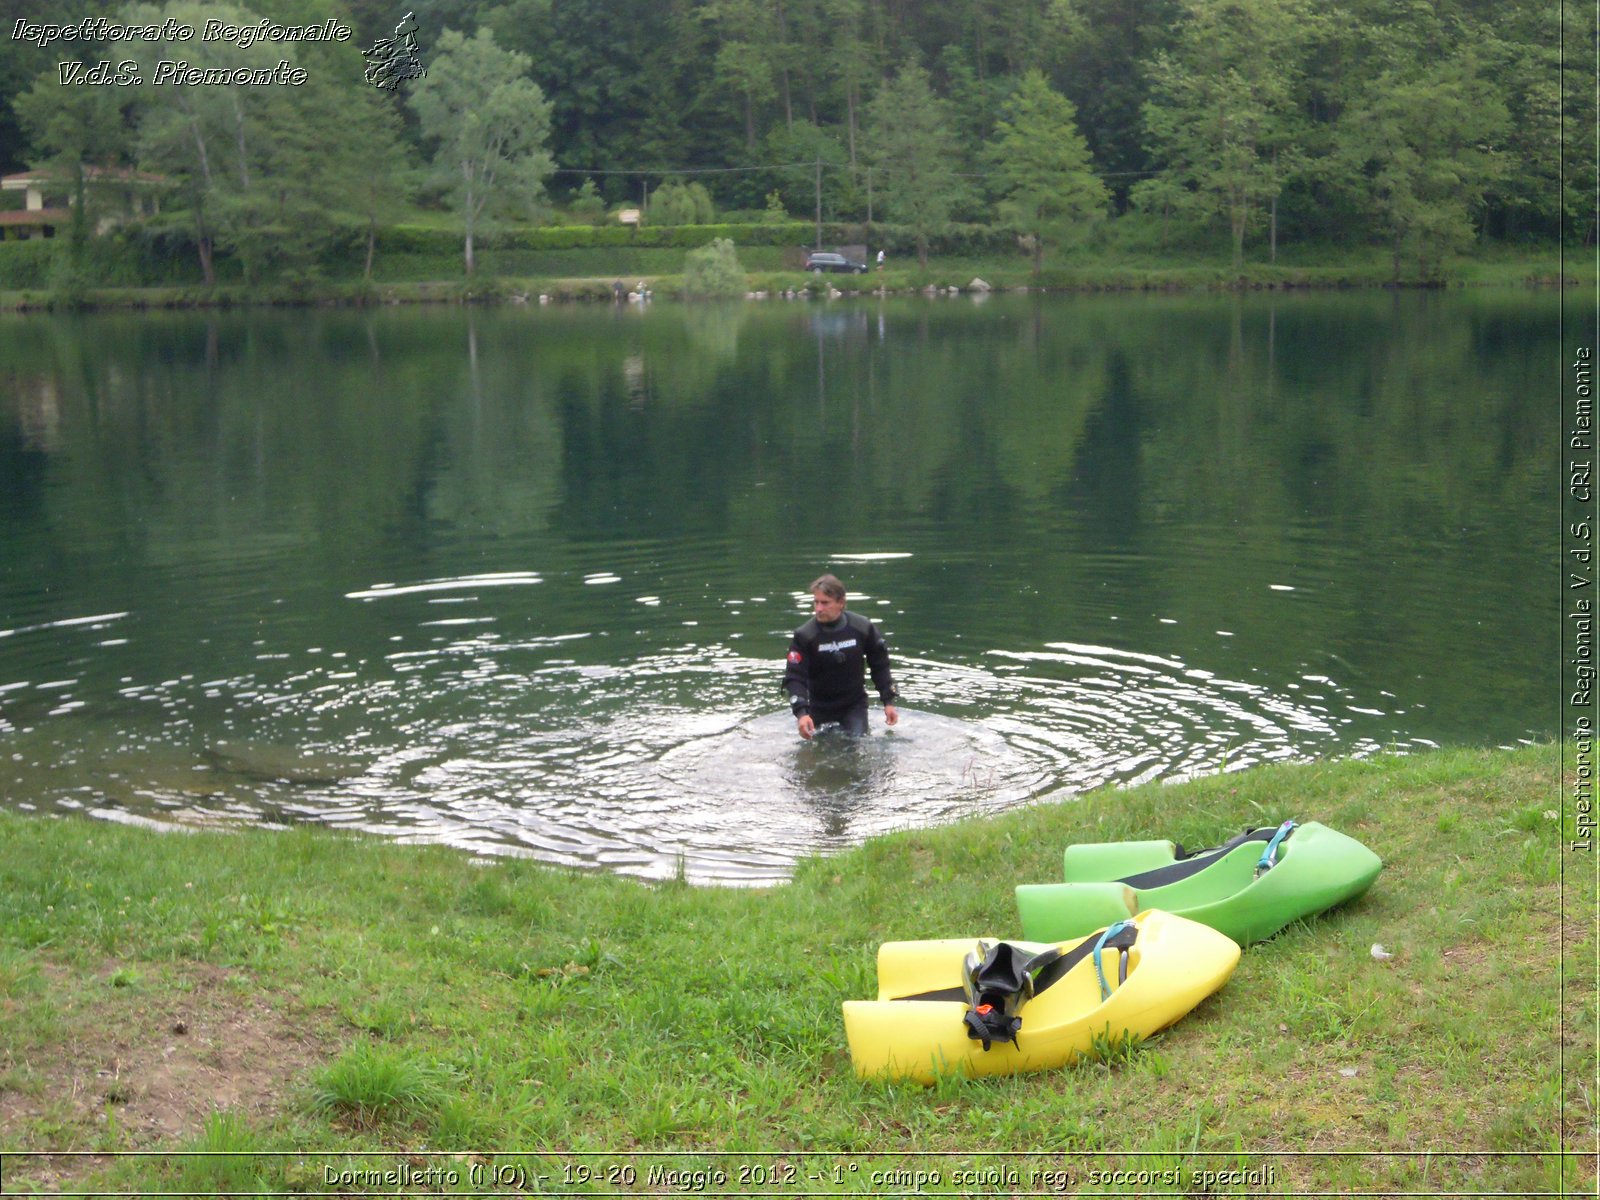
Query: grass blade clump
(370,1083)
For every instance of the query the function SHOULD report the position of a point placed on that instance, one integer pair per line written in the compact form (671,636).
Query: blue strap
(1269,856)
(1099,972)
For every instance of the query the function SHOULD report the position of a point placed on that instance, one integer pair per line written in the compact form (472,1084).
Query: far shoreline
(1535,272)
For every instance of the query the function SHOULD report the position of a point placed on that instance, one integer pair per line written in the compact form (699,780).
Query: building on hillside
(117,195)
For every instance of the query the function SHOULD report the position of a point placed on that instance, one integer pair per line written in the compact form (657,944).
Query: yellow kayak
(988,1007)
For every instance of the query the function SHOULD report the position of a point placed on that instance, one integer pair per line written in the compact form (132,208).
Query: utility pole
(819,203)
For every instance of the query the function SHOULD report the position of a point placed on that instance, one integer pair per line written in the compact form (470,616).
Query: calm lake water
(521,580)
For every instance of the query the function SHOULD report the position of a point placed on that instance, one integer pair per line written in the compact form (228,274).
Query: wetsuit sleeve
(797,678)
(878,660)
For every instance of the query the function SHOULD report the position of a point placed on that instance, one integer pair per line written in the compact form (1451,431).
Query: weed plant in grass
(471,1007)
(370,1083)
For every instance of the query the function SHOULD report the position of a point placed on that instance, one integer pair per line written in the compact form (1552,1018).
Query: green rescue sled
(1248,888)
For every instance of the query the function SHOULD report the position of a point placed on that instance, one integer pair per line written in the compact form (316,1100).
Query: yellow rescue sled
(989,1007)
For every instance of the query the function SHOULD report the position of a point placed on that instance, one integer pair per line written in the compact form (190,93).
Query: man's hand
(808,727)
(891,715)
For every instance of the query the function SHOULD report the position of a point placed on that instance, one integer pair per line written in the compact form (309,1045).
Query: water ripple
(669,759)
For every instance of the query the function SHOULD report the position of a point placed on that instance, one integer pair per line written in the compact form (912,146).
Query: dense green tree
(970,100)
(490,124)
(1251,113)
(749,45)
(912,152)
(234,156)
(1104,68)
(795,153)
(253,170)
(587,204)
(1223,112)
(373,176)
(679,203)
(629,82)
(1424,152)
(1049,190)
(1518,46)
(851,61)
(74,131)
(22,60)
(1580,116)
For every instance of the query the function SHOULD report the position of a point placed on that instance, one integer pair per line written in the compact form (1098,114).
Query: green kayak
(1248,888)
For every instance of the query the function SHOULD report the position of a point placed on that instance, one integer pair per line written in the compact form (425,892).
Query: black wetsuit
(826,671)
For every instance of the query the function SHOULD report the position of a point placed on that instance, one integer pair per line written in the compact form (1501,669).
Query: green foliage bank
(1256,126)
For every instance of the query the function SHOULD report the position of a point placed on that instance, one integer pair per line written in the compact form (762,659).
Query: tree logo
(397,58)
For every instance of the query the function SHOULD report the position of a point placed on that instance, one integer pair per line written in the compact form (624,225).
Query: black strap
(988,1024)
(1054,969)
(1185,866)
(1005,978)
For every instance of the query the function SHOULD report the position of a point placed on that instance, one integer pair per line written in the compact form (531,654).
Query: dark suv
(822,261)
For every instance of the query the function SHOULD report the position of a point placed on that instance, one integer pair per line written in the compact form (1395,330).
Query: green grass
(371,1083)
(458,1007)
(588,273)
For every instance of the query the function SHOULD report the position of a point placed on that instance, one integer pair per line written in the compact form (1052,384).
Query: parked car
(825,261)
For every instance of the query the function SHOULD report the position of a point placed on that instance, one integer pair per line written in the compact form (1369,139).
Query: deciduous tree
(228,151)
(1222,111)
(913,154)
(1049,190)
(679,203)
(1424,150)
(75,130)
(489,122)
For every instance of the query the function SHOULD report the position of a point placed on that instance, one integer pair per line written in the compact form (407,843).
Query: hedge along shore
(344,1002)
(490,289)
(421,265)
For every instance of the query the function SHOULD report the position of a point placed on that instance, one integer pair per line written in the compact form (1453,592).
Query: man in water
(826,670)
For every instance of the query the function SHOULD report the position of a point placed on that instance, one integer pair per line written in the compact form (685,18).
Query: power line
(686,170)
(802,166)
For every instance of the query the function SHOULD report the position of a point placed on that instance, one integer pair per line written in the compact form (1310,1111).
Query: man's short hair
(829,586)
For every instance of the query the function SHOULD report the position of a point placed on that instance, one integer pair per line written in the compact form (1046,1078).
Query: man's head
(827,599)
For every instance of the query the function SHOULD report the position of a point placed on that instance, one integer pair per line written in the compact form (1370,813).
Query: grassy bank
(518,276)
(308,991)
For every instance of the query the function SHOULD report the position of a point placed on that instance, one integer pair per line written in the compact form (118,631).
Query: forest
(1424,127)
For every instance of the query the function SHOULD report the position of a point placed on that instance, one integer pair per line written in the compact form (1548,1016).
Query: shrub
(677,203)
(27,264)
(587,205)
(714,271)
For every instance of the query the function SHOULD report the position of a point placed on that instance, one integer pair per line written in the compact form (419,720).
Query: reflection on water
(522,582)
(837,788)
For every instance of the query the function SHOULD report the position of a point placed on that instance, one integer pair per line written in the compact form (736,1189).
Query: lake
(521,579)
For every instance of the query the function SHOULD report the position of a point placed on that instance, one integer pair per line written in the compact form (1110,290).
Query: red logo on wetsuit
(795,656)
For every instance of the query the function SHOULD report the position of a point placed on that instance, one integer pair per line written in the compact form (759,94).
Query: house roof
(46,175)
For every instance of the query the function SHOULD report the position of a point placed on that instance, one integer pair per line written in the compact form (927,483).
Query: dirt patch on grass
(146,1053)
